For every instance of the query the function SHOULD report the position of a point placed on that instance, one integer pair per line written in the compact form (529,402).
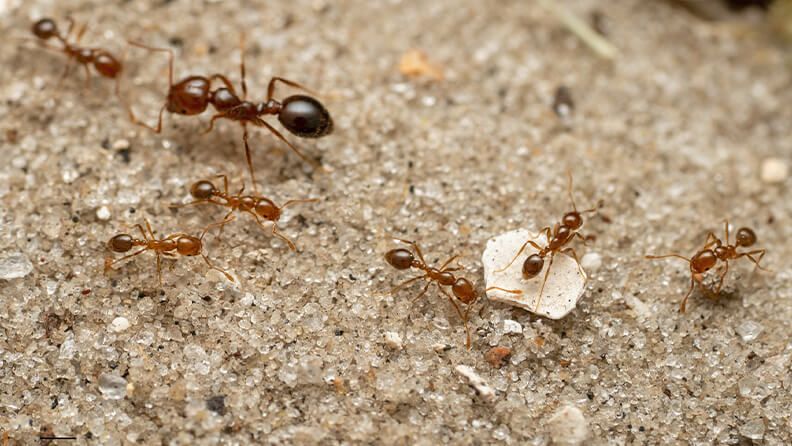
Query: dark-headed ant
(105,63)
(462,289)
(561,235)
(715,250)
(259,207)
(178,243)
(302,115)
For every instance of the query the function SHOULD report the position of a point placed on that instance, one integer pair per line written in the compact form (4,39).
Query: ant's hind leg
(278,135)
(522,248)
(249,157)
(225,273)
(425,289)
(544,281)
(271,86)
(443,267)
(683,304)
(756,261)
(405,283)
(463,316)
(280,235)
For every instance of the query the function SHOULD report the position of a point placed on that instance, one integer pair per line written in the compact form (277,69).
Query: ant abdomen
(306,117)
(532,266)
(190,96)
(399,258)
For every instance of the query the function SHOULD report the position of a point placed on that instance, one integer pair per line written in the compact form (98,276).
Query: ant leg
(162,50)
(271,86)
(720,279)
(522,248)
(577,260)
(225,183)
(80,33)
(109,264)
(304,200)
(145,236)
(136,121)
(414,245)
(148,225)
(215,117)
(569,190)
(726,230)
(415,299)
(461,315)
(405,283)
(214,225)
(651,257)
(750,256)
(547,273)
(220,234)
(712,240)
(63,75)
(443,268)
(280,235)
(277,134)
(249,157)
(242,64)
(690,291)
(159,269)
(502,289)
(582,238)
(87,77)
(225,82)
(225,273)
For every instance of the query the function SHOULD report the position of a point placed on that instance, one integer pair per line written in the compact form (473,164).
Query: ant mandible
(301,115)
(561,235)
(105,63)
(259,207)
(178,243)
(715,250)
(463,290)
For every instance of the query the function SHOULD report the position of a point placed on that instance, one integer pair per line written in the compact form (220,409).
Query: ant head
(268,210)
(202,190)
(305,116)
(189,97)
(399,258)
(188,245)
(532,266)
(745,237)
(120,243)
(45,28)
(464,291)
(572,220)
(703,261)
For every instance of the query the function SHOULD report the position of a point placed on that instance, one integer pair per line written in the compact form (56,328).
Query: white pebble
(568,426)
(121,144)
(510,326)
(14,266)
(774,170)
(486,392)
(393,340)
(103,213)
(565,283)
(113,387)
(591,261)
(119,324)
(749,330)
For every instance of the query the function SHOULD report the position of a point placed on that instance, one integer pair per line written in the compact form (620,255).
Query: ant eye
(305,116)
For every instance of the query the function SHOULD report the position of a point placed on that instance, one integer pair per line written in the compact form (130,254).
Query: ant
(301,115)
(562,234)
(463,290)
(103,62)
(259,207)
(715,250)
(178,243)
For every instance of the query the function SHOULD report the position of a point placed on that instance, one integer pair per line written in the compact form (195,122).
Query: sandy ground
(310,347)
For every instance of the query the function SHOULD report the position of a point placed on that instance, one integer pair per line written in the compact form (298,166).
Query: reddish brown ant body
(301,115)
(103,61)
(462,288)
(562,234)
(259,207)
(715,250)
(178,243)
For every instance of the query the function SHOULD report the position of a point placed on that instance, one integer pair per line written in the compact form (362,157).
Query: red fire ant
(561,235)
(259,207)
(462,289)
(302,115)
(178,243)
(103,62)
(715,250)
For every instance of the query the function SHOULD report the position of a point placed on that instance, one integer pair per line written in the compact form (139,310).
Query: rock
(591,261)
(774,170)
(749,330)
(119,324)
(216,404)
(754,429)
(103,213)
(14,265)
(113,387)
(496,356)
(483,389)
(512,327)
(565,283)
(393,340)
(568,426)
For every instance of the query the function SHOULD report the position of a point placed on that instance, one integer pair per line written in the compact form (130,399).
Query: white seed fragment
(511,326)
(121,144)
(486,392)
(562,291)
(568,426)
(774,170)
(591,261)
(103,213)
(393,340)
(119,324)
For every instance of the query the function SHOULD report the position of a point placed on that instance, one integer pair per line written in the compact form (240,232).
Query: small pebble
(113,387)
(496,356)
(486,392)
(749,330)
(119,324)
(393,340)
(103,213)
(121,144)
(568,426)
(754,429)
(511,327)
(591,261)
(14,266)
(774,170)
